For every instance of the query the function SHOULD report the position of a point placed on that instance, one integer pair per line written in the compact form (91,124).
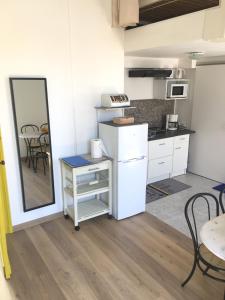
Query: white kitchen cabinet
(181,140)
(167,157)
(159,167)
(180,155)
(160,148)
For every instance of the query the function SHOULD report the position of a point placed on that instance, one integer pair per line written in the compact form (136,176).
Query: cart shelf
(89,209)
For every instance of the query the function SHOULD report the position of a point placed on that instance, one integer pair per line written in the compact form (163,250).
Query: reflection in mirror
(30,107)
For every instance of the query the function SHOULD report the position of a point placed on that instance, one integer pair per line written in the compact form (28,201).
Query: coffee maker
(171,122)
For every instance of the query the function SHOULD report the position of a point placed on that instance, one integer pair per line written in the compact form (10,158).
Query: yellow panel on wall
(5,217)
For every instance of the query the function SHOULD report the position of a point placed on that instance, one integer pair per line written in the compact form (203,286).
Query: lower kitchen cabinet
(159,167)
(180,156)
(169,162)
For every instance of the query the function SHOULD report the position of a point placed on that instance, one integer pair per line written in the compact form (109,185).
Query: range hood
(150,72)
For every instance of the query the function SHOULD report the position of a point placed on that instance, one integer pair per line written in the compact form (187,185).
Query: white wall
(142,88)
(184,107)
(207,147)
(98,63)
(73,45)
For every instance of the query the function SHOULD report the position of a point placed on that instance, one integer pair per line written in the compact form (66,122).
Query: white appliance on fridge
(128,146)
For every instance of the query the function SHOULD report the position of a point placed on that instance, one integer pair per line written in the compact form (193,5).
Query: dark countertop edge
(110,123)
(167,134)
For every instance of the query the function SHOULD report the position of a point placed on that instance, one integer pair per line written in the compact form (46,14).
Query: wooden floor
(37,186)
(135,259)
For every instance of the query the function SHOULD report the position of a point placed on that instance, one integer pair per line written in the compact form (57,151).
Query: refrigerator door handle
(142,157)
(132,159)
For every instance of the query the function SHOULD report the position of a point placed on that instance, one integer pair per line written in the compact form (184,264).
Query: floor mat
(163,188)
(153,194)
(219,187)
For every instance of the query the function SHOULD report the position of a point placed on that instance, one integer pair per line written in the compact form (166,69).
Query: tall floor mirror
(33,137)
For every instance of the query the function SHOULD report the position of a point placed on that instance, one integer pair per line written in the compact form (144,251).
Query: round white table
(213,236)
(31,135)
(28,137)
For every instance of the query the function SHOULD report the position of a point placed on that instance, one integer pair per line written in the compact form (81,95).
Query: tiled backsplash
(151,111)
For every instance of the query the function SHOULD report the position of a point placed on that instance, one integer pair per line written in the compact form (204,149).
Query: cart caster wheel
(110,216)
(66,216)
(77,228)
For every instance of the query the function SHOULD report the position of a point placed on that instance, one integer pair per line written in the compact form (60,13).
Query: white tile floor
(170,209)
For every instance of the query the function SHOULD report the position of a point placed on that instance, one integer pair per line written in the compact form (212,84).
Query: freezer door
(132,142)
(131,188)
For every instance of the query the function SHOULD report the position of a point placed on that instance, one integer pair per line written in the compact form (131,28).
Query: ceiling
(180,50)
(152,11)
(147,2)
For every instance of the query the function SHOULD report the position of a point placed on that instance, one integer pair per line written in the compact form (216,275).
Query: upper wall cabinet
(202,27)
(152,11)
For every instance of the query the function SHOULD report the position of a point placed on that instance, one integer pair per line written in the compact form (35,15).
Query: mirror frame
(11,79)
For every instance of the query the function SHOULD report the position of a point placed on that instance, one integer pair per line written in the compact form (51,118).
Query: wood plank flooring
(135,259)
(37,186)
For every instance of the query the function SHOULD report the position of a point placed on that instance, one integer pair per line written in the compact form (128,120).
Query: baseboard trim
(37,221)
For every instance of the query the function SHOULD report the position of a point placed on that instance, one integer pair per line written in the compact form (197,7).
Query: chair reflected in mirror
(27,131)
(30,107)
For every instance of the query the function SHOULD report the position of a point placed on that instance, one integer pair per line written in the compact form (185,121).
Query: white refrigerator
(128,146)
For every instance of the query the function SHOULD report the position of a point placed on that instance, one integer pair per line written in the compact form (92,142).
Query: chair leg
(43,161)
(27,155)
(29,158)
(206,270)
(191,273)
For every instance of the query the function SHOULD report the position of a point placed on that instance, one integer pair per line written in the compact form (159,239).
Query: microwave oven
(177,90)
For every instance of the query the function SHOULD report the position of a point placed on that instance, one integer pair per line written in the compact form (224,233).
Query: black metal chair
(209,264)
(29,142)
(222,199)
(44,129)
(41,152)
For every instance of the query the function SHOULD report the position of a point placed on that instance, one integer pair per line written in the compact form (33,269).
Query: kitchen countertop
(110,123)
(168,134)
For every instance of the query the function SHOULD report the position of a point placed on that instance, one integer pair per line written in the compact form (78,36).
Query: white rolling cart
(87,188)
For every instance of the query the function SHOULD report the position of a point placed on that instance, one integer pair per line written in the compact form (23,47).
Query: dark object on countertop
(153,131)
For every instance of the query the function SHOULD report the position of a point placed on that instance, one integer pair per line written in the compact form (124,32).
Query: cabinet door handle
(163,144)
(161,163)
(177,148)
(2,162)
